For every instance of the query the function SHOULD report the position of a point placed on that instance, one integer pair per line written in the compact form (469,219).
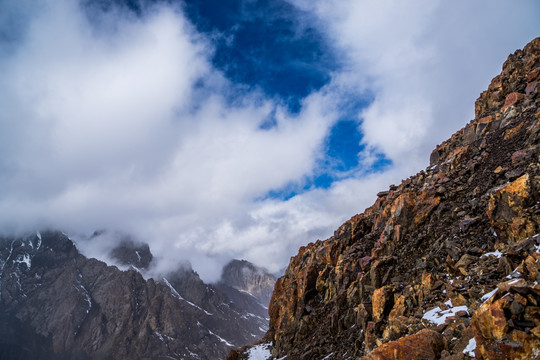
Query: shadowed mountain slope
(57,304)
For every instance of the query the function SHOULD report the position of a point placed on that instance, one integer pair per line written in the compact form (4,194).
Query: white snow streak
(488,295)
(178,296)
(495,253)
(469,350)
(221,339)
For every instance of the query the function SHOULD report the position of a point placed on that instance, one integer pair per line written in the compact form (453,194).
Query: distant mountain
(245,276)
(131,253)
(446,265)
(249,287)
(57,304)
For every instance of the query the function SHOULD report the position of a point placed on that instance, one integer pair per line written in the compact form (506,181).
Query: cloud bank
(123,122)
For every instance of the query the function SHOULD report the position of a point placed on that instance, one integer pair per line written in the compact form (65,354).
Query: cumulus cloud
(425,61)
(122,122)
(131,129)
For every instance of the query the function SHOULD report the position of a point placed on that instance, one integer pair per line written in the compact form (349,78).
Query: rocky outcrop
(57,304)
(244,276)
(442,266)
(249,287)
(128,252)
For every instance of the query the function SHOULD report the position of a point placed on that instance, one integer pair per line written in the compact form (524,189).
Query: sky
(225,129)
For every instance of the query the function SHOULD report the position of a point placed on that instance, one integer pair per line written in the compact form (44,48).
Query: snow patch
(159,336)
(173,290)
(38,234)
(495,253)
(24,259)
(438,316)
(469,350)
(487,296)
(259,352)
(85,293)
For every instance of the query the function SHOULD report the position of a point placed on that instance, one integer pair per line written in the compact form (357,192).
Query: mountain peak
(245,276)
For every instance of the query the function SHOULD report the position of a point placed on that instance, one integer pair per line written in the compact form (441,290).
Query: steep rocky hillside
(57,304)
(442,266)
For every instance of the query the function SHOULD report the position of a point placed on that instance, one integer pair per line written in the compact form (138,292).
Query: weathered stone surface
(507,209)
(381,302)
(512,99)
(425,345)
(490,320)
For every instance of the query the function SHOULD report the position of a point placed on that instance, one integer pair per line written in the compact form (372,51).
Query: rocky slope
(442,266)
(57,304)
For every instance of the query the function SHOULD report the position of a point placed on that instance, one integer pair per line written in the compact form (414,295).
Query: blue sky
(231,129)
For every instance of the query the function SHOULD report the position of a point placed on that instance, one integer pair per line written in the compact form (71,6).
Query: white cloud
(426,62)
(124,124)
(114,130)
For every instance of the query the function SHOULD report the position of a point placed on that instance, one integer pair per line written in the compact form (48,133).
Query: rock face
(443,266)
(57,304)
(250,287)
(130,253)
(244,276)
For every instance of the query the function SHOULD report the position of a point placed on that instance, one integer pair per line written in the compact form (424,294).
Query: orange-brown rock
(518,346)
(512,99)
(490,320)
(424,345)
(507,209)
(382,302)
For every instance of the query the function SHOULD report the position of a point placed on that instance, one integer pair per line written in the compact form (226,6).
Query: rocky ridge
(442,266)
(57,304)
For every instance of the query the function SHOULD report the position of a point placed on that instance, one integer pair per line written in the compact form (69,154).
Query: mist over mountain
(57,304)
(219,130)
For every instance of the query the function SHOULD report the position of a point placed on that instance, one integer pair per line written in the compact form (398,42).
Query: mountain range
(57,304)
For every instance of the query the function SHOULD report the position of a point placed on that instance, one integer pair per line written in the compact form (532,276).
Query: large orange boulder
(424,345)
(507,209)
